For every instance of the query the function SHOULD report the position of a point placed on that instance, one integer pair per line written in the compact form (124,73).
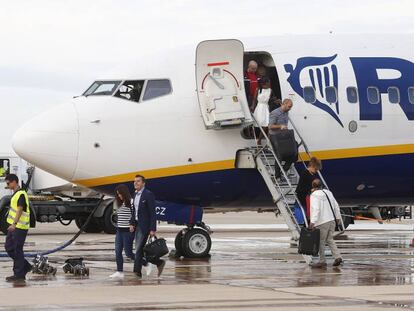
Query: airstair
(282,188)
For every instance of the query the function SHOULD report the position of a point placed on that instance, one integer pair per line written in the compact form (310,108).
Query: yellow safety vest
(24,221)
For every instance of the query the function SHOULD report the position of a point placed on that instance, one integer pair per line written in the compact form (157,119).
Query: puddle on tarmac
(383,258)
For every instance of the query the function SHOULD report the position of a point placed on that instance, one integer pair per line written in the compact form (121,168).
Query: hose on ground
(67,243)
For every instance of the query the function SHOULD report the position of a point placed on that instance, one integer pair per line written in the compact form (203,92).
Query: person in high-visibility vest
(2,171)
(19,224)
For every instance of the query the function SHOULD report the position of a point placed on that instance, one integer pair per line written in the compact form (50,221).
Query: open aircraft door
(220,83)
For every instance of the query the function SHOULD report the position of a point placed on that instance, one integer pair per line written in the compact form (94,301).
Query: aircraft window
(157,88)
(331,95)
(309,94)
(352,94)
(373,95)
(102,88)
(394,95)
(130,90)
(411,94)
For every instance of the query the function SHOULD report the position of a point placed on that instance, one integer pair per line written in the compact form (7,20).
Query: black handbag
(309,241)
(155,248)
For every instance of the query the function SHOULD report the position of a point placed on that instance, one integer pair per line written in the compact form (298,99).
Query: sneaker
(14,278)
(161,268)
(117,275)
(148,268)
(337,262)
(319,265)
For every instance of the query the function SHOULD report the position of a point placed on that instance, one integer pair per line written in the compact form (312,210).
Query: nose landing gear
(193,242)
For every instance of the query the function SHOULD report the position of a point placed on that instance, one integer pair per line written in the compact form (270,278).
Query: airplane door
(220,83)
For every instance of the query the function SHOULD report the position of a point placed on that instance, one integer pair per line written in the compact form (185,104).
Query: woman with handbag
(124,238)
(325,214)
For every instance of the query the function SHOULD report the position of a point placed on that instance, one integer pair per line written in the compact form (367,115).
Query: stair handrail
(292,190)
(305,146)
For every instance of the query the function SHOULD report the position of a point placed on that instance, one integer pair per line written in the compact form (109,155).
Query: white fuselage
(101,141)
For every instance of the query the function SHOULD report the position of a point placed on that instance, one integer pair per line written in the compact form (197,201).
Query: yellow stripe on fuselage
(159,172)
(229,164)
(361,152)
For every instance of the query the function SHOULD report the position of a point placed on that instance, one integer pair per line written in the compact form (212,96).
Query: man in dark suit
(144,223)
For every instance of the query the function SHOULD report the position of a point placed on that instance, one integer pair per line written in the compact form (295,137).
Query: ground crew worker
(19,224)
(2,171)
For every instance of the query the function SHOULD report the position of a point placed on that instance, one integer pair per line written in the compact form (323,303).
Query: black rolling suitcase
(285,145)
(309,242)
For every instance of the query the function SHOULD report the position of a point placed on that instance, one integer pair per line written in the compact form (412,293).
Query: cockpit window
(102,88)
(130,90)
(157,88)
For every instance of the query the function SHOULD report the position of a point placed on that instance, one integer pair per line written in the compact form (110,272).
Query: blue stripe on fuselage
(383,177)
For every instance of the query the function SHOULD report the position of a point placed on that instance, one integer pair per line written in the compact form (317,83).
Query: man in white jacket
(324,212)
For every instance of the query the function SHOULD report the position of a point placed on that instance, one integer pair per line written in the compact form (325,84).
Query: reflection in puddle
(382,258)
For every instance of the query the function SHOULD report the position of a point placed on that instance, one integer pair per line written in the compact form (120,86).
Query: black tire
(3,220)
(93,226)
(196,243)
(109,220)
(178,242)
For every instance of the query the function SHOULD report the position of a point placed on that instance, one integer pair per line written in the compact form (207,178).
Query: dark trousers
(123,242)
(286,163)
(141,239)
(14,248)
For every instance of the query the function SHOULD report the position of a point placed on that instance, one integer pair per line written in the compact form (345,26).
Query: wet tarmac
(376,261)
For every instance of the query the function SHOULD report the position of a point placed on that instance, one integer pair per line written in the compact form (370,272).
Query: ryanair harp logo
(318,72)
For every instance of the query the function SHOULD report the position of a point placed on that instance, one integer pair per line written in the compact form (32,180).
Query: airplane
(179,118)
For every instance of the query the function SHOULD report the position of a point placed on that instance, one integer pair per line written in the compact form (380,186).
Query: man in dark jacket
(143,222)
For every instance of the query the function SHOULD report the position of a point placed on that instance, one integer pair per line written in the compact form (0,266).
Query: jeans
(14,248)
(140,241)
(123,241)
(326,237)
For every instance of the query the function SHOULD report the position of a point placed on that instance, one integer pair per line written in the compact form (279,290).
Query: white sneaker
(148,268)
(117,275)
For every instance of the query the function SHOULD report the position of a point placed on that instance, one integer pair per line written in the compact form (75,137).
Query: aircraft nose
(50,141)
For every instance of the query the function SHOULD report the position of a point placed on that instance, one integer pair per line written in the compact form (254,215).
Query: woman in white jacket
(324,213)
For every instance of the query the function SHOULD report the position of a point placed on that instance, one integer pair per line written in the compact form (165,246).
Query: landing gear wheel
(109,220)
(196,243)
(92,227)
(3,220)
(178,242)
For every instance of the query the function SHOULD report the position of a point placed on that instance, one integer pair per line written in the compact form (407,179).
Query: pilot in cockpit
(135,92)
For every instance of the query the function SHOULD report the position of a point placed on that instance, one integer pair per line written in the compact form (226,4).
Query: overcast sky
(53,49)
